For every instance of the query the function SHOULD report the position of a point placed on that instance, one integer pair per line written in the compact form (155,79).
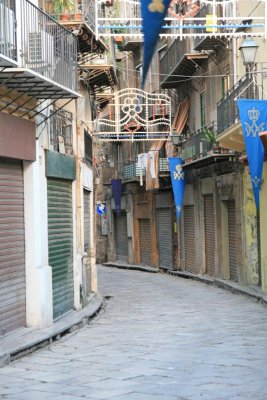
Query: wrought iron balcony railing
(227,110)
(81,11)
(197,145)
(131,170)
(39,44)
(8,39)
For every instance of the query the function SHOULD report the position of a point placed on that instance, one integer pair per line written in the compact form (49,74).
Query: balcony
(81,18)
(211,42)
(131,171)
(178,62)
(98,71)
(43,54)
(229,126)
(201,147)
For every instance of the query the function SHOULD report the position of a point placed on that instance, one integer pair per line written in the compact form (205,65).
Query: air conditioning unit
(40,53)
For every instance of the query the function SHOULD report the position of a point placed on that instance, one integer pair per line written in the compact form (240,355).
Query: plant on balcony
(60,7)
(211,136)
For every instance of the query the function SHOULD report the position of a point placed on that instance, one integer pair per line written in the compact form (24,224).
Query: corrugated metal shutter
(209,225)
(164,235)
(60,244)
(232,240)
(121,237)
(12,248)
(86,220)
(145,241)
(189,238)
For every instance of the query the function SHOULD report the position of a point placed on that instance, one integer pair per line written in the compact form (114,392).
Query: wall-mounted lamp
(248,50)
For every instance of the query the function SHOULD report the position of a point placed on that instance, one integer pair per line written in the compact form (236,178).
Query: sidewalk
(26,340)
(254,291)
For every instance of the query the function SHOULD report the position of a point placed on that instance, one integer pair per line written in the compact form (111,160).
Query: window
(61,131)
(203,109)
(88,147)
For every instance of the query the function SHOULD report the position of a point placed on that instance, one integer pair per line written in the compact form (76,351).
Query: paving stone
(158,338)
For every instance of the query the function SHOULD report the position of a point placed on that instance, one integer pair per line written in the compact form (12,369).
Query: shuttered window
(121,237)
(232,240)
(60,244)
(145,241)
(164,236)
(209,223)
(12,248)
(189,238)
(86,220)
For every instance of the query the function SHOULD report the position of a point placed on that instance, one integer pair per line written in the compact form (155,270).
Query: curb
(223,284)
(27,340)
(133,267)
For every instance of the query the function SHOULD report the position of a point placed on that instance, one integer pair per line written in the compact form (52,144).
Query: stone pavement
(157,338)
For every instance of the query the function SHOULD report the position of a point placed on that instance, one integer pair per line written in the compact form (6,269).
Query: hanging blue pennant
(153,14)
(253,116)
(116,192)
(178,182)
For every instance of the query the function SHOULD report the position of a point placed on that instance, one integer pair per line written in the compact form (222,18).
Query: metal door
(12,247)
(121,238)
(86,220)
(189,238)
(232,234)
(60,244)
(145,241)
(209,226)
(164,236)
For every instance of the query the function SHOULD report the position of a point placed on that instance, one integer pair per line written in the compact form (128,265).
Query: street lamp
(248,50)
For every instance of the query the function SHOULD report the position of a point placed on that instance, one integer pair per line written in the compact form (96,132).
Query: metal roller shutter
(189,238)
(86,220)
(121,237)
(12,248)
(145,242)
(232,240)
(209,224)
(164,235)
(60,244)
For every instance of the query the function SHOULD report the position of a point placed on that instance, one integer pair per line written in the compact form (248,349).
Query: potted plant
(211,136)
(60,7)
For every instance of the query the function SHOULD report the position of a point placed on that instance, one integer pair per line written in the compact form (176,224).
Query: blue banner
(116,192)
(253,116)
(153,14)
(178,182)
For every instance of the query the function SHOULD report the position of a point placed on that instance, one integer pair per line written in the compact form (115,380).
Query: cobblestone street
(158,337)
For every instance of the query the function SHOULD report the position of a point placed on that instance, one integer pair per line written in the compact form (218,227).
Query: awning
(181,116)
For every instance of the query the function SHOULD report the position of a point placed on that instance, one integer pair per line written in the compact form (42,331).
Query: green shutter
(60,244)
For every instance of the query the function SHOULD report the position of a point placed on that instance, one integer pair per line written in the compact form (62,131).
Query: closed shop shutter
(12,248)
(232,240)
(164,235)
(209,223)
(86,220)
(189,238)
(145,241)
(60,244)
(121,237)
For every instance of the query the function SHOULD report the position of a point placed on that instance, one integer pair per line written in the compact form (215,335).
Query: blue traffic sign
(101,208)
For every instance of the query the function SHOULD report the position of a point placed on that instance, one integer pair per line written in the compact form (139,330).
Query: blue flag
(116,191)
(178,182)
(153,14)
(253,116)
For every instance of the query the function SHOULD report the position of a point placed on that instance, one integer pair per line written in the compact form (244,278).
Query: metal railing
(227,110)
(196,145)
(46,47)
(61,131)
(131,170)
(8,40)
(173,57)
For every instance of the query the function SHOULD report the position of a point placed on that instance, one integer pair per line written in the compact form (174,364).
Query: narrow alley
(158,337)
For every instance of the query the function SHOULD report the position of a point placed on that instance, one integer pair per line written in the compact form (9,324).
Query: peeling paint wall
(263,229)
(250,234)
